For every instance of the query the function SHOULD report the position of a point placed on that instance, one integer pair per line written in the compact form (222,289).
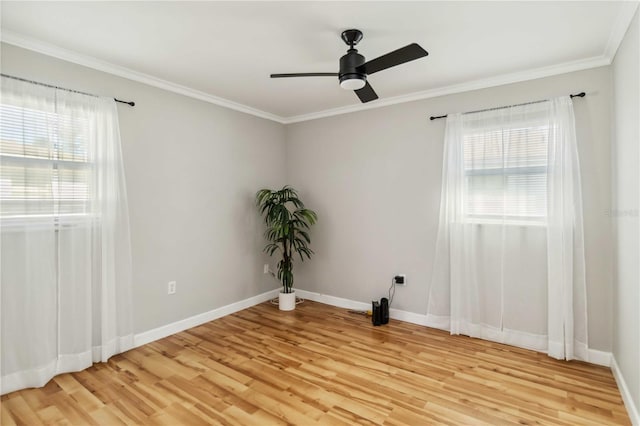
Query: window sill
(42,222)
(507,222)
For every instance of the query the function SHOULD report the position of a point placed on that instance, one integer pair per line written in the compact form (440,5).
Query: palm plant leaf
(287,221)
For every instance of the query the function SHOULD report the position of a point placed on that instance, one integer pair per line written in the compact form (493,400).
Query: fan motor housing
(349,64)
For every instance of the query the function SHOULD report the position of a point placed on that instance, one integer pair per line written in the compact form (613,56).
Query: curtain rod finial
(131,103)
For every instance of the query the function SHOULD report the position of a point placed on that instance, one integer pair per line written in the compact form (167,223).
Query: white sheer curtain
(567,308)
(509,261)
(65,246)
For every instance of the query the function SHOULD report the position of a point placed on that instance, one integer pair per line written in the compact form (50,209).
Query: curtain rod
(130,103)
(577,95)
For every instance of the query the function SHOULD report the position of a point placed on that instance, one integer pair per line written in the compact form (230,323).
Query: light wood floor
(320,364)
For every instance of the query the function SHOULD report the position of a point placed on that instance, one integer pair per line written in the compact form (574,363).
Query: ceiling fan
(354,70)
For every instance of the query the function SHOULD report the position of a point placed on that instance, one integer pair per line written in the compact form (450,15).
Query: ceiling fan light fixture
(353,82)
(354,69)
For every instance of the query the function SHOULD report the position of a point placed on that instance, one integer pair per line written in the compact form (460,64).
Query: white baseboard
(599,357)
(442,323)
(338,302)
(629,404)
(412,317)
(184,324)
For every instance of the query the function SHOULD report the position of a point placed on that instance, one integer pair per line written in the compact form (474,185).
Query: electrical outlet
(265,269)
(400,279)
(171,287)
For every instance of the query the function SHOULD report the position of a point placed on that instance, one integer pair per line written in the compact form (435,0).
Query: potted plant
(288,222)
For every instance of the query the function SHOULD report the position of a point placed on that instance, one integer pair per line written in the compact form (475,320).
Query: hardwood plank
(19,412)
(321,365)
(104,416)
(6,418)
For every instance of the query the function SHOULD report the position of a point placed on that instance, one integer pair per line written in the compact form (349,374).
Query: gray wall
(192,169)
(374,179)
(373,176)
(626,205)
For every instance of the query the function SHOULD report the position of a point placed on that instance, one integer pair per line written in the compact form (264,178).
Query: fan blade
(366,94)
(391,59)
(306,74)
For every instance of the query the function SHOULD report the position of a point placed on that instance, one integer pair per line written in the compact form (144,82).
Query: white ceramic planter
(287,301)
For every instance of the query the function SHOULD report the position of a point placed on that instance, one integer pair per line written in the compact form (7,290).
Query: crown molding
(13,38)
(484,83)
(621,25)
(625,15)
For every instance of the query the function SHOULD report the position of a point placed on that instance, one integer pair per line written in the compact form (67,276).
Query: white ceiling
(225,51)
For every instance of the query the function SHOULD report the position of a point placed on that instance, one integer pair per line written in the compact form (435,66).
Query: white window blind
(506,173)
(45,165)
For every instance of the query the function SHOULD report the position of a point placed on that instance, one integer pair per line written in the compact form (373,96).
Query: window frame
(58,157)
(527,170)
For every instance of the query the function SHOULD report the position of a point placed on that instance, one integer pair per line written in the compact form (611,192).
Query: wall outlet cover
(400,279)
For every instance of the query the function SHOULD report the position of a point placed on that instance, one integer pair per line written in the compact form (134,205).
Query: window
(506,174)
(45,163)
